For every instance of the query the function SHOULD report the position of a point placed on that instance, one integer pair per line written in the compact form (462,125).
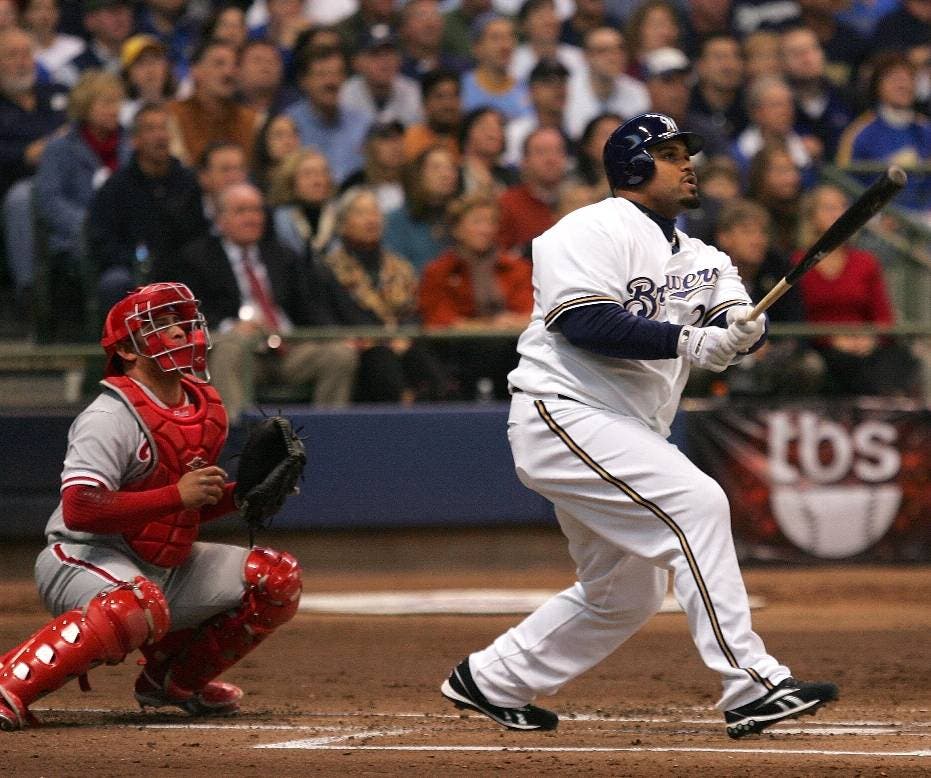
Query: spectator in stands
(775,182)
(717,94)
(667,75)
(260,80)
(417,230)
(175,25)
(606,87)
(789,366)
(286,21)
(378,90)
(302,196)
(547,82)
(892,132)
(369,285)
(457,26)
(211,113)
(476,285)
(772,113)
(589,168)
(253,291)
(108,23)
(9,15)
(589,15)
(321,122)
(53,49)
(920,57)
(904,27)
(822,111)
(539,27)
(147,209)
(762,55)
(490,82)
(704,18)
(276,140)
(847,287)
(73,167)
(384,163)
(221,165)
(529,208)
(146,75)
(370,14)
(654,24)
(226,23)
(420,31)
(442,115)
(482,138)
(30,115)
(844,48)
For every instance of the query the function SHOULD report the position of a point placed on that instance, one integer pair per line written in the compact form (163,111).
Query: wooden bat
(864,208)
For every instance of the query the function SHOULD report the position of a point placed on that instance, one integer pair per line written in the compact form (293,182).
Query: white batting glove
(743,332)
(708,347)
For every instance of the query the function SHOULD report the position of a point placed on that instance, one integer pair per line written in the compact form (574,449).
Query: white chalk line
(312,745)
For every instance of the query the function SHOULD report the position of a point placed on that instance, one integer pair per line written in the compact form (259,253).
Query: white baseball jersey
(612,252)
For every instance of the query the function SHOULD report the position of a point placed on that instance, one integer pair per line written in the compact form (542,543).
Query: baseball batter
(624,305)
(123,568)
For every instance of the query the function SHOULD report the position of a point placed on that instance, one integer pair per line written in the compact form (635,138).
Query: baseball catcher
(123,568)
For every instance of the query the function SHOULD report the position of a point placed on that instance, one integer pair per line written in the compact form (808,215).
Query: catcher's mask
(144,318)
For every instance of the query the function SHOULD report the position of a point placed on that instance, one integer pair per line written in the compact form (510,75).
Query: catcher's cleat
(788,700)
(13,714)
(217,698)
(461,690)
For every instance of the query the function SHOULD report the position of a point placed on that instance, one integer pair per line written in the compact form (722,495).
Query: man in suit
(252,292)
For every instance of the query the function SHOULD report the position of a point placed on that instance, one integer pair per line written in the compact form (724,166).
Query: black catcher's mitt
(271,462)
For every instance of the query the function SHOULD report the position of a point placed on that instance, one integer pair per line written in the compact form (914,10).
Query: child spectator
(146,74)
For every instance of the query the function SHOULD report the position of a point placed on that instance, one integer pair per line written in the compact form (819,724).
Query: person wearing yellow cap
(146,74)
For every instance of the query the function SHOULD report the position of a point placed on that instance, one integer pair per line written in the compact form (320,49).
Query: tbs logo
(832,488)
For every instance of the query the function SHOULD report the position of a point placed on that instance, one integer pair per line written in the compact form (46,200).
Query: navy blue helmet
(627,158)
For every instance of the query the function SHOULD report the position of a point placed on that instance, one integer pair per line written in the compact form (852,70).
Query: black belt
(515,390)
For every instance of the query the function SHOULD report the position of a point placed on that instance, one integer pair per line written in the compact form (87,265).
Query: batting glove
(743,332)
(709,347)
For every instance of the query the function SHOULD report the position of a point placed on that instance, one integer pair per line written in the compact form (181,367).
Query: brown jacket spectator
(212,114)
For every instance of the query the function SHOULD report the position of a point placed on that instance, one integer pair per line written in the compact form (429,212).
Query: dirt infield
(358,695)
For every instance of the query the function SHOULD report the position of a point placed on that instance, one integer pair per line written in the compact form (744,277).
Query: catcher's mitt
(270,464)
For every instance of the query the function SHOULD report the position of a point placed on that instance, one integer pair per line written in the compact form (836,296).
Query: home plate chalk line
(335,738)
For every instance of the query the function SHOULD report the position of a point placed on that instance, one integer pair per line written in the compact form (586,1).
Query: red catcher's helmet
(139,319)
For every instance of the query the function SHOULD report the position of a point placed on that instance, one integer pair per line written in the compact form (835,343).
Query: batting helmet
(627,159)
(141,319)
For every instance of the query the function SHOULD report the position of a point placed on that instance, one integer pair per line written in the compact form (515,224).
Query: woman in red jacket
(474,285)
(847,287)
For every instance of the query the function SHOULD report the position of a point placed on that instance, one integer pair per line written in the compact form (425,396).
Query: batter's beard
(691,202)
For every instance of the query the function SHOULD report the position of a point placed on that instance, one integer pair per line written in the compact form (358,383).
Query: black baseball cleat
(461,690)
(788,700)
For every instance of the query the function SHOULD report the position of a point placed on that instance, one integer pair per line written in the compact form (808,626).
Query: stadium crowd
(381,163)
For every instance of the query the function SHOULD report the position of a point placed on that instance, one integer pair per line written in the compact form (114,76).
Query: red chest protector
(178,444)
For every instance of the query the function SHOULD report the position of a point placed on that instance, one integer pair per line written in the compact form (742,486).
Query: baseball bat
(864,208)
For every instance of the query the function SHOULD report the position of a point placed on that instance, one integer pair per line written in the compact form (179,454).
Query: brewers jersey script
(612,252)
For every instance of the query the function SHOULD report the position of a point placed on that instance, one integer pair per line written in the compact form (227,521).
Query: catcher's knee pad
(274,586)
(273,591)
(112,624)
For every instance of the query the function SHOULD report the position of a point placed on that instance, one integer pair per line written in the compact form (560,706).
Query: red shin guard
(112,624)
(273,590)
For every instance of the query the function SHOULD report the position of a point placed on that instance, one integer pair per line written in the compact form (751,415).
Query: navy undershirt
(610,330)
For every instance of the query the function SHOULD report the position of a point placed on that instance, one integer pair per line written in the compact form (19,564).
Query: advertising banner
(835,481)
